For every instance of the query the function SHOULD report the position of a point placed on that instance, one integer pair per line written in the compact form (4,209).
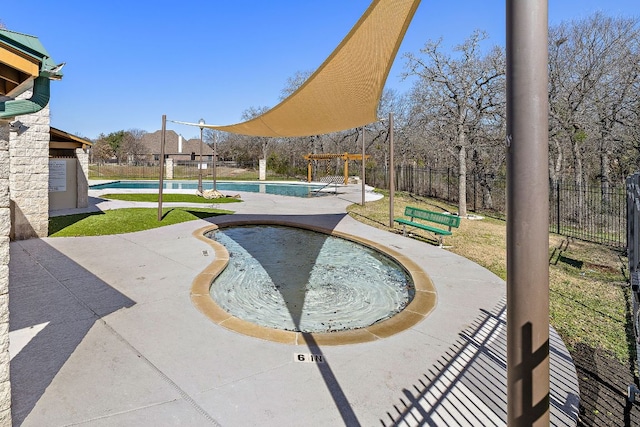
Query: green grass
(120,221)
(169,198)
(588,289)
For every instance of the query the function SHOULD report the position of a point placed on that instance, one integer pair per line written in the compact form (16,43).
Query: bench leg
(404,230)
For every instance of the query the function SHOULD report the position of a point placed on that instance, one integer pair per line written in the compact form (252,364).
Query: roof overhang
(63,140)
(23,59)
(16,70)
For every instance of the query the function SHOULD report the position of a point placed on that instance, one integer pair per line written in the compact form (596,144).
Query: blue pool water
(296,190)
(300,280)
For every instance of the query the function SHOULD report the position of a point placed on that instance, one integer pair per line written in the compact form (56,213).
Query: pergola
(346,157)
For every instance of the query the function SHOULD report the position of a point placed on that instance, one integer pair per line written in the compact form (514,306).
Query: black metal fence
(591,212)
(633,254)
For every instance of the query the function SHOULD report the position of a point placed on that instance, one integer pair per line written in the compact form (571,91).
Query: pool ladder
(319,190)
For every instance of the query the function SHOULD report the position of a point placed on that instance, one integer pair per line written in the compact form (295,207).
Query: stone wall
(168,168)
(82,174)
(29,178)
(5,229)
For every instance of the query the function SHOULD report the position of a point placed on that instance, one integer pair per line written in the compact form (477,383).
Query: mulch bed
(603,384)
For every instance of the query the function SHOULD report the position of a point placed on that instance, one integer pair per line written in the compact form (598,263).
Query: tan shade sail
(345,91)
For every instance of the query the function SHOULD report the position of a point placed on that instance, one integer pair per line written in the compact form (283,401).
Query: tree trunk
(485,185)
(605,180)
(555,167)
(462,181)
(579,182)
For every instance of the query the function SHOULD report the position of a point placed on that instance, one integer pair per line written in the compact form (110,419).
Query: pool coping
(417,310)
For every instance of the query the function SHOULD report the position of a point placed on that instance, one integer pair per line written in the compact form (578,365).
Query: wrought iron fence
(633,254)
(590,212)
(593,212)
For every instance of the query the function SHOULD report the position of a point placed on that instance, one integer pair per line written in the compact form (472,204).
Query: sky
(130,62)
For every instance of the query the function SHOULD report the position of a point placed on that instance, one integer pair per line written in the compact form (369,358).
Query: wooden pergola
(346,157)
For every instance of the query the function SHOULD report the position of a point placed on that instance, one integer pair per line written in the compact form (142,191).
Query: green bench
(428,219)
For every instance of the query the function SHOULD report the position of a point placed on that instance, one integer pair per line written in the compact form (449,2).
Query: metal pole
(527,214)
(200,163)
(363,166)
(161,180)
(215,160)
(392,172)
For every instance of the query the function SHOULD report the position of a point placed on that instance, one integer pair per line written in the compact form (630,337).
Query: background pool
(282,189)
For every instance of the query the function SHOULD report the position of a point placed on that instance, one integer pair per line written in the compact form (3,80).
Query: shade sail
(345,90)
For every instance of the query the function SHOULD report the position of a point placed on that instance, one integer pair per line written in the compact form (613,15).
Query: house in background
(176,147)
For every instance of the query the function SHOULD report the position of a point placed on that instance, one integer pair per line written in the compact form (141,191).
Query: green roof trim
(19,107)
(29,45)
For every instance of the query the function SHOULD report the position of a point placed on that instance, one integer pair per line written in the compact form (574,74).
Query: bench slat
(439,218)
(423,226)
(428,216)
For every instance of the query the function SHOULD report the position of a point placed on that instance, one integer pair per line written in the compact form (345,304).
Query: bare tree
(132,147)
(101,150)
(593,78)
(294,82)
(459,95)
(261,141)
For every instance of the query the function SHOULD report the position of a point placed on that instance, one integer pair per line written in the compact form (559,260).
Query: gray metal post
(200,162)
(392,172)
(527,214)
(363,167)
(215,160)
(161,180)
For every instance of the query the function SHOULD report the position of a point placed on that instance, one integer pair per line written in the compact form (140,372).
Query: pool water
(295,190)
(299,280)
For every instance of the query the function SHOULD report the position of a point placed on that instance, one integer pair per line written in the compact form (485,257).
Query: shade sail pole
(161,180)
(363,166)
(392,171)
(527,214)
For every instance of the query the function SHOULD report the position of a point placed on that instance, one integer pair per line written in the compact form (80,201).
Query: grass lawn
(120,221)
(588,289)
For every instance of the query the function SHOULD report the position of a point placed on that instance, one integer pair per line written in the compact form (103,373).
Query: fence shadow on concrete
(469,385)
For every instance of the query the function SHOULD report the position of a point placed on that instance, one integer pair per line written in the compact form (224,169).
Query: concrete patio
(103,332)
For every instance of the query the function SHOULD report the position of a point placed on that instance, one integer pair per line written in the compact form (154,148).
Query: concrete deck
(103,332)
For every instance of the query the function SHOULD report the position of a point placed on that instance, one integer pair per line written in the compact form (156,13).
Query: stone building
(25,73)
(68,170)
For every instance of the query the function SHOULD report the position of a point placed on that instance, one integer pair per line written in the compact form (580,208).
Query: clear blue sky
(129,62)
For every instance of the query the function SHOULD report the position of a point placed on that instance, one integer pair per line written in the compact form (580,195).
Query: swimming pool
(282,189)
